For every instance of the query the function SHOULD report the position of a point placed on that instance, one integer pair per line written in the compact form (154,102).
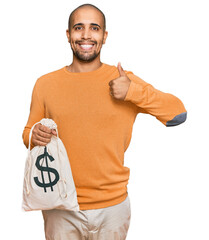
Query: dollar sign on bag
(42,184)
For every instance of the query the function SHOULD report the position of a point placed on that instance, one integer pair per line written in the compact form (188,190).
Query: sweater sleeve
(166,107)
(35,115)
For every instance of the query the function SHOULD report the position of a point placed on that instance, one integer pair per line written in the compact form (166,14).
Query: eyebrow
(79,24)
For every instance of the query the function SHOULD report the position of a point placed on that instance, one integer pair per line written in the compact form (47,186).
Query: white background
(166,44)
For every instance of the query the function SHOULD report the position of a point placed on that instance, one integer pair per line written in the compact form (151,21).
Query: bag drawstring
(28,167)
(30,135)
(26,175)
(61,179)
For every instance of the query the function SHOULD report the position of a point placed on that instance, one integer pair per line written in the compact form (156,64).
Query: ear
(68,35)
(105,37)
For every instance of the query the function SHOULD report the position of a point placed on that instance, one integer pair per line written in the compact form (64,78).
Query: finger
(42,139)
(39,143)
(43,134)
(54,132)
(44,129)
(120,69)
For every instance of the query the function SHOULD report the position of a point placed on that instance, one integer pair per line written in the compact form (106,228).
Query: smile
(86,46)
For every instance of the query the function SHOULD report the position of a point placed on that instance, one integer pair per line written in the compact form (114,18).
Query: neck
(78,66)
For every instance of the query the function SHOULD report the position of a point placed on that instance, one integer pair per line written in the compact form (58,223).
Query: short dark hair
(86,5)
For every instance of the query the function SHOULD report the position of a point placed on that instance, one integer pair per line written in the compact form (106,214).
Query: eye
(78,28)
(95,28)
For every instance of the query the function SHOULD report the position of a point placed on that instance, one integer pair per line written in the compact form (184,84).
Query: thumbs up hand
(119,86)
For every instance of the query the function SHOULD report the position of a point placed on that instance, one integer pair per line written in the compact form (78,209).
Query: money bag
(48,181)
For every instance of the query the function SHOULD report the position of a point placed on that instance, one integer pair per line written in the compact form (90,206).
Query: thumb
(120,69)
(54,132)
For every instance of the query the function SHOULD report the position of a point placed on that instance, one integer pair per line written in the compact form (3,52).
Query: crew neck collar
(99,69)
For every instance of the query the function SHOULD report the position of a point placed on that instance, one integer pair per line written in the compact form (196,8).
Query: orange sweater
(95,128)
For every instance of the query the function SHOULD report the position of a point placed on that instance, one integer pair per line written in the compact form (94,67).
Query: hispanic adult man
(94,105)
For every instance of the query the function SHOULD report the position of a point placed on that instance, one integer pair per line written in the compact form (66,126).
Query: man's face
(86,34)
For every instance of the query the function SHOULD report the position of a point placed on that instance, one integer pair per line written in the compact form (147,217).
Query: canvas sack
(48,181)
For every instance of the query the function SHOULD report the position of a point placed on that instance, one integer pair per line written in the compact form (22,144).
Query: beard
(85,57)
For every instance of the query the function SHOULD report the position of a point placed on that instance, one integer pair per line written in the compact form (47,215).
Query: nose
(86,33)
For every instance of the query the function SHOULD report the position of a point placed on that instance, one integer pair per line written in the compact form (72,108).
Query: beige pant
(111,223)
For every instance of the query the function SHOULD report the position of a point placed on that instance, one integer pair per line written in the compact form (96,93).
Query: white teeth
(86,46)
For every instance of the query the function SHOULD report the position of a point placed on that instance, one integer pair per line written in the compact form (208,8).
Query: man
(94,106)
